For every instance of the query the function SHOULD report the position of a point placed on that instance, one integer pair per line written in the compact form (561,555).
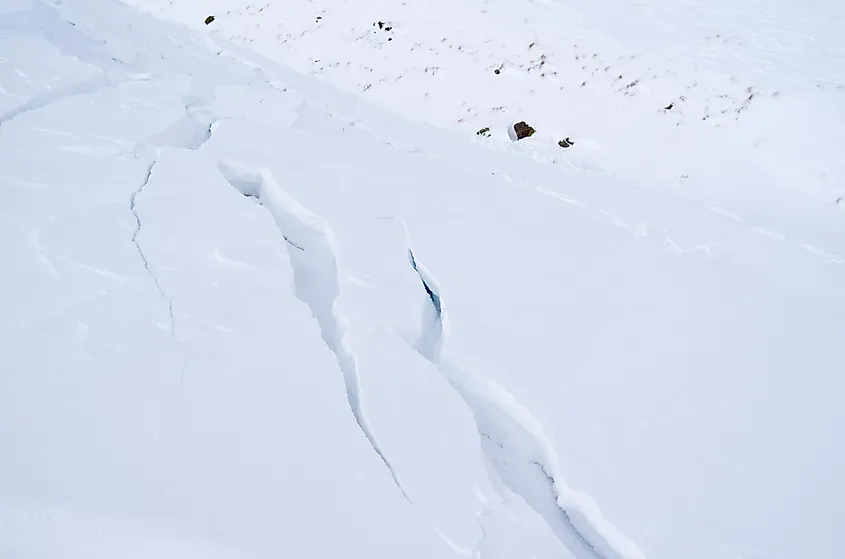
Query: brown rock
(523,130)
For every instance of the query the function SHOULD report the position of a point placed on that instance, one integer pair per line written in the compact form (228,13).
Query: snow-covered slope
(757,86)
(245,314)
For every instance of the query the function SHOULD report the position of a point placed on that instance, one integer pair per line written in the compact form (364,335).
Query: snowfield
(248,312)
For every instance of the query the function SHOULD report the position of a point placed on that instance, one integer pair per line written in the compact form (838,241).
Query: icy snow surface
(246,314)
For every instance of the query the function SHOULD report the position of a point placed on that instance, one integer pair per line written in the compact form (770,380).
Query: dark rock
(484,132)
(497,71)
(209,19)
(566,143)
(669,106)
(381,25)
(523,130)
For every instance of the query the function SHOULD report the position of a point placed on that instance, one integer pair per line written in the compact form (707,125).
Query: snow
(249,313)
(599,72)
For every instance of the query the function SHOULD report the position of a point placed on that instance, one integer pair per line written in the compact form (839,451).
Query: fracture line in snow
(40,101)
(190,132)
(132,207)
(313,256)
(137,230)
(91,85)
(518,448)
(486,512)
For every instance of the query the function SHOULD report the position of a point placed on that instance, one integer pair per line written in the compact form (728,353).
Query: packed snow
(250,312)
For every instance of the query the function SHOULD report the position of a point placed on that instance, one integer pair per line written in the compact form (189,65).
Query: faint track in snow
(640,230)
(313,257)
(807,247)
(518,448)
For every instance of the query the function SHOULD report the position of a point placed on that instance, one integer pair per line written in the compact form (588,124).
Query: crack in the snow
(182,372)
(136,231)
(91,85)
(190,132)
(316,279)
(486,512)
(517,447)
(293,244)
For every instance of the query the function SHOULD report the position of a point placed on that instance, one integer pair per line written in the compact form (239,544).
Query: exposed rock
(566,143)
(484,132)
(209,19)
(523,130)
(669,106)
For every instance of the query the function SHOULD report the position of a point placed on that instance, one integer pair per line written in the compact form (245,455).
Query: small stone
(669,106)
(209,19)
(566,143)
(484,132)
(497,71)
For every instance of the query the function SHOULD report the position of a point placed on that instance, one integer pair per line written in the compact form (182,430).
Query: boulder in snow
(523,130)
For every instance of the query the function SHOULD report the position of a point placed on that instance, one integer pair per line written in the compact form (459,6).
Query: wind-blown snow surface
(410,346)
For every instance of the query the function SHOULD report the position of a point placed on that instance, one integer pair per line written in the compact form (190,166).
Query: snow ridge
(517,447)
(313,257)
